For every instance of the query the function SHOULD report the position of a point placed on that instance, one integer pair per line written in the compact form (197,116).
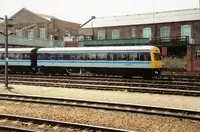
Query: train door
(33,58)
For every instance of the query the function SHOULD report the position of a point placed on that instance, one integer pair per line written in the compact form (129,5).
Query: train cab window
(52,56)
(134,56)
(101,56)
(91,56)
(157,56)
(66,57)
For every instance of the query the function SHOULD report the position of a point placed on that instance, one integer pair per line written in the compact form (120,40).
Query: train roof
(109,48)
(17,50)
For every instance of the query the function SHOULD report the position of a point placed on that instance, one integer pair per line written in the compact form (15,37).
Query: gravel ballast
(122,120)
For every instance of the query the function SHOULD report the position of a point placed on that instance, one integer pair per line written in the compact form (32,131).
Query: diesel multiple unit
(125,61)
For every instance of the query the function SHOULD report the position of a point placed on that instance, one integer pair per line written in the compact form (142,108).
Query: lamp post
(6,50)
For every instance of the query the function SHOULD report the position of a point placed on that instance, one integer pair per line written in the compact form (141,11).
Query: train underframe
(124,72)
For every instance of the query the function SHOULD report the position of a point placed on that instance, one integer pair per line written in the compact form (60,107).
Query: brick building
(193,57)
(38,26)
(172,31)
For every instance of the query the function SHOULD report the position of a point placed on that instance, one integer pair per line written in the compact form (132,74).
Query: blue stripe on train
(81,61)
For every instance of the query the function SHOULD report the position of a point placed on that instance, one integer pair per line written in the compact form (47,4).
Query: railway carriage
(124,60)
(19,59)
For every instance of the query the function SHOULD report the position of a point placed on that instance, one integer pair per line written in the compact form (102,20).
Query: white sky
(81,10)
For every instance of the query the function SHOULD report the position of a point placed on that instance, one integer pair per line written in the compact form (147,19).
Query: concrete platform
(173,101)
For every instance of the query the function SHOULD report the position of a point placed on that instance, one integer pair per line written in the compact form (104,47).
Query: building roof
(146,18)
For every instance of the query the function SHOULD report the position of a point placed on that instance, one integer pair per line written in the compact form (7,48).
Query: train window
(11,56)
(123,56)
(111,56)
(157,56)
(41,56)
(81,56)
(56,56)
(1,57)
(119,56)
(18,56)
(134,56)
(52,56)
(60,56)
(47,56)
(78,57)
(66,57)
(145,57)
(25,56)
(91,56)
(73,57)
(101,56)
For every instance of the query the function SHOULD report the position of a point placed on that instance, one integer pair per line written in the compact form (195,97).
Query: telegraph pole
(6,51)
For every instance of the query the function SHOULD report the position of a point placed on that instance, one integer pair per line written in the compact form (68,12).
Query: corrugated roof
(146,18)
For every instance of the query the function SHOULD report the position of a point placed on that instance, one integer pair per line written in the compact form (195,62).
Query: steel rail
(155,90)
(134,83)
(162,77)
(124,107)
(60,123)
(14,129)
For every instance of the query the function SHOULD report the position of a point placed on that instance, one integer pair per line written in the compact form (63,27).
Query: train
(125,61)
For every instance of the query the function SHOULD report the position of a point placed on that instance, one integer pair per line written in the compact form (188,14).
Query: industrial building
(175,32)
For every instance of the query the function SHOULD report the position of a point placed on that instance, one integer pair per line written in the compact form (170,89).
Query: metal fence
(14,40)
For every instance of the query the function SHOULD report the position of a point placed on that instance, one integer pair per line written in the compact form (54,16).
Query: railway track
(162,77)
(143,109)
(47,122)
(14,129)
(116,84)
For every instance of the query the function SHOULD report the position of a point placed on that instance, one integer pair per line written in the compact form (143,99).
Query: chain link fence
(14,40)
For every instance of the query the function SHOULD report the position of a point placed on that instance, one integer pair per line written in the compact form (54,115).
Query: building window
(101,34)
(165,33)
(186,31)
(133,35)
(19,33)
(30,33)
(147,33)
(115,34)
(198,54)
(42,33)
